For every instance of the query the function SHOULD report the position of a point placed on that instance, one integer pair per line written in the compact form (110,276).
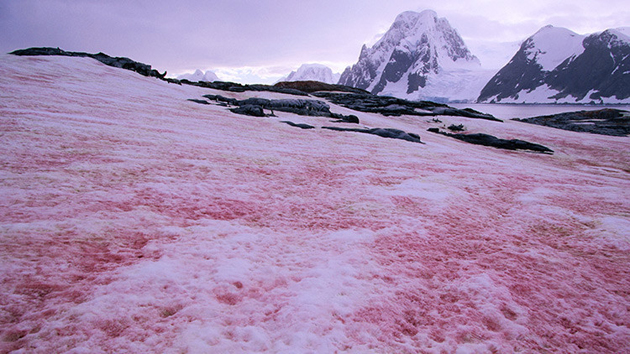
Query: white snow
(313,72)
(199,75)
(553,45)
(135,221)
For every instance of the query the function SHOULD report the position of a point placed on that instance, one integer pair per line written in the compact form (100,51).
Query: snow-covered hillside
(420,57)
(556,65)
(133,220)
(199,75)
(313,72)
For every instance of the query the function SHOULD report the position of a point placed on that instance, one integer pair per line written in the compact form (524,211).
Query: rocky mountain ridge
(556,65)
(417,55)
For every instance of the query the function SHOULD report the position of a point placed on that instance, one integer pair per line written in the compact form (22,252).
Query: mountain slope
(556,65)
(420,56)
(312,72)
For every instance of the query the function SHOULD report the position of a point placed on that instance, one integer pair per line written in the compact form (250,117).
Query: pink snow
(133,220)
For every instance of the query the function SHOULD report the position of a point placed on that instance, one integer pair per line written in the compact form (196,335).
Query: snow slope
(313,72)
(550,46)
(133,220)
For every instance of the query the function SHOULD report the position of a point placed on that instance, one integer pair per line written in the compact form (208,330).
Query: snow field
(136,221)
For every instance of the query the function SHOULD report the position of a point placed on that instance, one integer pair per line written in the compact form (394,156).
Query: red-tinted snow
(132,220)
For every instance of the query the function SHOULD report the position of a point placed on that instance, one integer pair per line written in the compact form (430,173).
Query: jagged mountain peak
(614,37)
(417,48)
(412,30)
(550,46)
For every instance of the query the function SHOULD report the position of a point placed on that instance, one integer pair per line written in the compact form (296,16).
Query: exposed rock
(493,141)
(236,87)
(346,119)
(382,132)
(391,106)
(219,98)
(198,101)
(314,86)
(298,106)
(301,107)
(298,125)
(118,62)
(249,110)
(613,122)
(456,128)
(556,65)
(414,58)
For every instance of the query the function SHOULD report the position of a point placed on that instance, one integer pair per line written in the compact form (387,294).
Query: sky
(261,41)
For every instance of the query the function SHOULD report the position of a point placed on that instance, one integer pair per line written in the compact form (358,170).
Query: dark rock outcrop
(298,125)
(118,62)
(392,106)
(314,86)
(613,122)
(493,141)
(236,87)
(249,110)
(456,128)
(297,106)
(219,98)
(603,67)
(198,101)
(382,132)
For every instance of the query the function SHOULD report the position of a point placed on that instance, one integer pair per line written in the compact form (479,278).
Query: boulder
(493,141)
(298,125)
(382,132)
(198,101)
(249,110)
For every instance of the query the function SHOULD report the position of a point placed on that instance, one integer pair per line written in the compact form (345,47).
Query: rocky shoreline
(614,122)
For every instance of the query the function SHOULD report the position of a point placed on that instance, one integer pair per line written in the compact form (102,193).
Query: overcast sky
(261,41)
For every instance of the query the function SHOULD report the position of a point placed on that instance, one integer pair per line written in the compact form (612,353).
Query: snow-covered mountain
(556,65)
(420,57)
(199,75)
(313,72)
